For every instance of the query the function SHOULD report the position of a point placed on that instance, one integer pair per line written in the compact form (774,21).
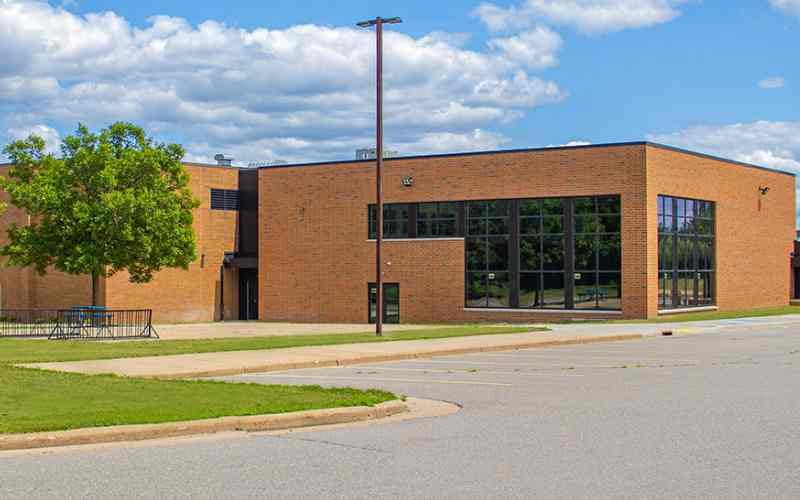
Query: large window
(685,253)
(395,221)
(597,253)
(551,253)
(488,277)
(437,220)
(419,220)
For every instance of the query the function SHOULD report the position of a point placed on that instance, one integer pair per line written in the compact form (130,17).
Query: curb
(140,432)
(378,358)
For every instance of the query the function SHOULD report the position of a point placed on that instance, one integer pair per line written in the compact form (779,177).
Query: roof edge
(532,150)
(718,158)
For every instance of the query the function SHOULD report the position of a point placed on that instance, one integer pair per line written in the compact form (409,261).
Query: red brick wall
(315,260)
(176,295)
(753,245)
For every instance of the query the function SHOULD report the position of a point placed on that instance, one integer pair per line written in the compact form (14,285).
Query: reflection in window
(437,220)
(487,254)
(685,252)
(395,220)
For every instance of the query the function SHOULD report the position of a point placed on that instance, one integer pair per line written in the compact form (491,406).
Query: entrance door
(797,283)
(248,294)
(391,302)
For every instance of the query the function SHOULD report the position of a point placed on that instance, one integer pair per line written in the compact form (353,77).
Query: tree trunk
(96,299)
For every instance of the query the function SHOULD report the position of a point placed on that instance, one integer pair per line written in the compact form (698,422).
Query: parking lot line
(483,372)
(375,379)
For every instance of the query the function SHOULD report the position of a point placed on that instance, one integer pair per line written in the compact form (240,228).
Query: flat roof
(495,152)
(531,150)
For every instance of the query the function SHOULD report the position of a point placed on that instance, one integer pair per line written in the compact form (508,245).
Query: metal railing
(27,322)
(83,322)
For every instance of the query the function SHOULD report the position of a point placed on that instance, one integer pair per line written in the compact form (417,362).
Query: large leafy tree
(114,200)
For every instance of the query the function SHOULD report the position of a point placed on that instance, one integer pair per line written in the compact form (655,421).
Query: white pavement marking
(589,357)
(457,371)
(374,379)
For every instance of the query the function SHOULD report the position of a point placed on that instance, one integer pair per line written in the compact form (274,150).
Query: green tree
(114,200)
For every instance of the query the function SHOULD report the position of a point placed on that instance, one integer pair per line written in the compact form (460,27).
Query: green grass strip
(31,351)
(703,316)
(37,400)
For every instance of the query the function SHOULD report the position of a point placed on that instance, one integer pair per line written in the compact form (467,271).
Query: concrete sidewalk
(239,362)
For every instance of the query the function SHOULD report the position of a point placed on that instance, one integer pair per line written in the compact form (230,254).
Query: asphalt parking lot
(697,415)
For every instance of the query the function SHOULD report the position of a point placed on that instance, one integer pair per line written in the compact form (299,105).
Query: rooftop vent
(371,154)
(223,161)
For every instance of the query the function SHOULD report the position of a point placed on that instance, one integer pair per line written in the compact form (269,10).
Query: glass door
(391,302)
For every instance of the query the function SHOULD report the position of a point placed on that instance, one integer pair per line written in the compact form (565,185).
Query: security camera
(763,189)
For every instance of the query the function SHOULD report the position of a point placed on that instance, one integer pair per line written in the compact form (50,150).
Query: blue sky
(293,80)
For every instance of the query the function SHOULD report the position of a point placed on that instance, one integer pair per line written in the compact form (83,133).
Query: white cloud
(535,48)
(305,92)
(775,82)
(787,6)
(588,16)
(569,144)
(52,139)
(763,143)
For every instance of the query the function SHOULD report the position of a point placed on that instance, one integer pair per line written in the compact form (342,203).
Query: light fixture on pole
(378,22)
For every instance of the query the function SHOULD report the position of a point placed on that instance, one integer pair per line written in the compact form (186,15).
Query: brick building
(628,230)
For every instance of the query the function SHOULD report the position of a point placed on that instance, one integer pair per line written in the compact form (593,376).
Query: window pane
(609,224)
(665,289)
(498,226)
(585,294)
(585,252)
(660,205)
(499,289)
(448,209)
(690,209)
(529,253)
(685,253)
(476,290)
(665,251)
(703,226)
(584,206)
(586,224)
(552,206)
(498,208)
(425,229)
(476,209)
(667,224)
(498,254)
(530,294)
(553,225)
(530,225)
(609,249)
(553,253)
(609,291)
(530,208)
(553,290)
(476,227)
(445,228)
(608,205)
(686,289)
(426,211)
(476,254)
(395,211)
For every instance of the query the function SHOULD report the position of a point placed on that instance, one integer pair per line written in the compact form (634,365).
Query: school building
(626,230)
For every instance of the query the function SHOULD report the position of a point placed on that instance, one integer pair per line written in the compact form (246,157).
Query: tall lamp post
(378,22)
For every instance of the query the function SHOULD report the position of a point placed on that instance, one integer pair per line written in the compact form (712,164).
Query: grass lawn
(36,400)
(30,351)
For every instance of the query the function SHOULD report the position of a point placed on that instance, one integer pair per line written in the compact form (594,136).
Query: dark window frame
(561,211)
(412,221)
(687,228)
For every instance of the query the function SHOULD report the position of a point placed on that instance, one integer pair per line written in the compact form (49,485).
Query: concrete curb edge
(253,423)
(378,358)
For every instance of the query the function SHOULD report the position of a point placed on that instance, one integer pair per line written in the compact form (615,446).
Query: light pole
(378,22)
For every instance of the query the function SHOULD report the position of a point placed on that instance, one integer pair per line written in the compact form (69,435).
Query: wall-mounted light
(763,190)
(408,181)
